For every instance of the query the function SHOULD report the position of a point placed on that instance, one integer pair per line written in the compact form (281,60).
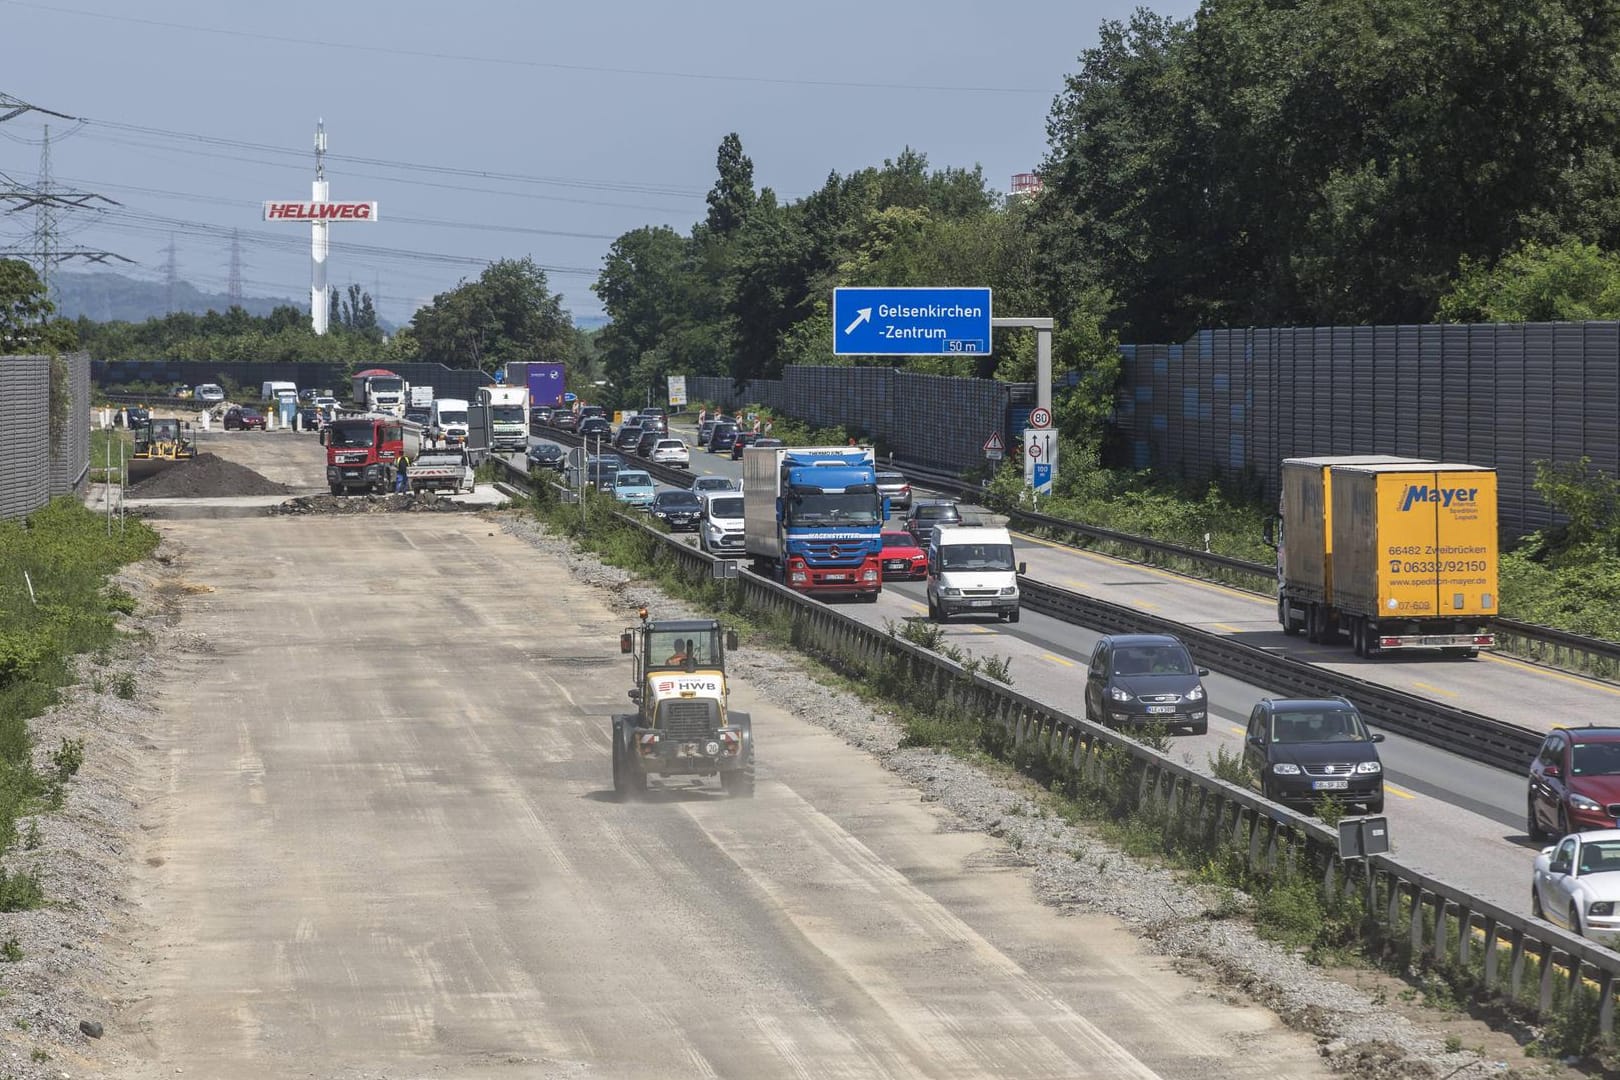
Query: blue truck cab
(813,518)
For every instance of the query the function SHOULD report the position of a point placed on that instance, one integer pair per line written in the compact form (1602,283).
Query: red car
(902,558)
(1575,782)
(240,419)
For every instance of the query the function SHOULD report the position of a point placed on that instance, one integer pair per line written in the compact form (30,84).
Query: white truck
(421,397)
(447,426)
(445,469)
(275,391)
(508,416)
(378,390)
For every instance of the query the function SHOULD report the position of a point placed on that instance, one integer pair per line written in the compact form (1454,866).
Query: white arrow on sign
(861,315)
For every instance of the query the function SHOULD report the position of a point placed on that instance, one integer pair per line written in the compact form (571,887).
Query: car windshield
(938,513)
(712,483)
(1326,725)
(1600,856)
(341,434)
(633,479)
(385,385)
(898,540)
(452,417)
(679,500)
(668,648)
(545,450)
(513,413)
(726,508)
(842,508)
(1595,759)
(1149,659)
(891,479)
(976,557)
(670,444)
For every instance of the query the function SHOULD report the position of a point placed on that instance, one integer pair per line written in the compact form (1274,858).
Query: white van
(275,391)
(721,530)
(971,572)
(448,422)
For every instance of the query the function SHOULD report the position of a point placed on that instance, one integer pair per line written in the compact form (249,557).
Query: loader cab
(676,647)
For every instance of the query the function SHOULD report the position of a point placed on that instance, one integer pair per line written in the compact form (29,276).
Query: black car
(546,456)
(722,438)
(564,420)
(743,439)
(595,427)
(648,440)
(925,515)
(1306,749)
(137,414)
(678,509)
(1140,679)
(628,438)
(540,414)
(653,422)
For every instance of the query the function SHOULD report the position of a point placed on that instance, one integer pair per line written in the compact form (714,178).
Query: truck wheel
(1358,635)
(1285,616)
(1313,625)
(739,783)
(337,489)
(1013,615)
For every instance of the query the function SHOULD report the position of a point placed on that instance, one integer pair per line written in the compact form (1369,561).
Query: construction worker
(402,474)
(682,654)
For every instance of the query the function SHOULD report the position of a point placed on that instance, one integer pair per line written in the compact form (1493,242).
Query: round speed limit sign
(1040,418)
(1035,450)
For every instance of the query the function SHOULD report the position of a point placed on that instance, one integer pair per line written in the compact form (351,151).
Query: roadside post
(1361,838)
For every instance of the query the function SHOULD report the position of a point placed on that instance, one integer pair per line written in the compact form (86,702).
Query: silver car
(896,488)
(1576,885)
(705,485)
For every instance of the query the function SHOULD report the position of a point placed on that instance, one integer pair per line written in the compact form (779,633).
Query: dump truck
(378,390)
(813,518)
(508,416)
(1408,555)
(361,452)
(683,725)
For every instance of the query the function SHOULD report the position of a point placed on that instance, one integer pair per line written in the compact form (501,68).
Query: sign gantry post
(319,212)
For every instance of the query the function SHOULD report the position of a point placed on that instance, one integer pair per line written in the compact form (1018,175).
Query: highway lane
(1497,686)
(379,847)
(1459,820)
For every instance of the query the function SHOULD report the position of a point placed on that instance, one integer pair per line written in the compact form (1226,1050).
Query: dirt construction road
(384,847)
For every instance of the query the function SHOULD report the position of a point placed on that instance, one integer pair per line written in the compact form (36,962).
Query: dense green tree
(26,325)
(732,198)
(507,314)
(1537,283)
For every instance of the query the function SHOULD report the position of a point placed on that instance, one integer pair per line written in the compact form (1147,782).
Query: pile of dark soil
(418,503)
(203,477)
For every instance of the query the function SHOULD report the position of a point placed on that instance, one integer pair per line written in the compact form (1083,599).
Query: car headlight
(1009,590)
(1285,768)
(1581,802)
(1196,694)
(1119,695)
(1600,907)
(951,592)
(1369,767)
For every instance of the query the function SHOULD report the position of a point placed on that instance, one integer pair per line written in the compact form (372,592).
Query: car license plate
(1330,785)
(895,564)
(835,577)
(980,603)
(1436,641)
(1161,710)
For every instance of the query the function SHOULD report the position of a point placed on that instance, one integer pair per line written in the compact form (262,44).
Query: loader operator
(683,654)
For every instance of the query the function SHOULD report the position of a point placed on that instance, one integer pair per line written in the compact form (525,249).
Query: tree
(732,196)
(1537,283)
(508,314)
(26,326)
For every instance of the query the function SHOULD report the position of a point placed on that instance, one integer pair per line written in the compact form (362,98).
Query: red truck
(361,451)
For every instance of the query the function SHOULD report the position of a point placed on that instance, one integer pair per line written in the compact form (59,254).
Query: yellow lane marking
(1234,729)
(1393,790)
(981,629)
(1228,627)
(1145,605)
(1433,689)
(1590,684)
(1057,659)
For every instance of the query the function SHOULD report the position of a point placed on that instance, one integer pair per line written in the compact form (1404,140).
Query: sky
(491,129)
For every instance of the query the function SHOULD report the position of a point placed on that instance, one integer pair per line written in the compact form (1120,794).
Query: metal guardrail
(1546,644)
(1434,919)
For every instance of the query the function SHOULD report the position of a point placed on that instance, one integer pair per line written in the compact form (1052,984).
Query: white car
(672,452)
(1576,885)
(720,530)
(210,393)
(708,485)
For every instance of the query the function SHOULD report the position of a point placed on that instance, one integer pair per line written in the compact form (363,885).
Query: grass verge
(55,603)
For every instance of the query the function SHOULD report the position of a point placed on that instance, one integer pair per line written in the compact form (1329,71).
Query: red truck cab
(361,452)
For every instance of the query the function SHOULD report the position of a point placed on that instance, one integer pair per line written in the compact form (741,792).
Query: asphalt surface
(385,846)
(1456,819)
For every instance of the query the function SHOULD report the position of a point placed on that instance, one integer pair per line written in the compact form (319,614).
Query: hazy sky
(489,129)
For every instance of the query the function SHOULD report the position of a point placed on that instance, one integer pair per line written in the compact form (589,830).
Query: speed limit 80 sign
(1040,417)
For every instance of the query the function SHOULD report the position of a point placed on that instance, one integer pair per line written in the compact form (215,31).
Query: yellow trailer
(1415,552)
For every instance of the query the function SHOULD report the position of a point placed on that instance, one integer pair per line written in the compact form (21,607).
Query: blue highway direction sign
(910,321)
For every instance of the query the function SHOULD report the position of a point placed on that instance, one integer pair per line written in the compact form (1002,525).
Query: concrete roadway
(383,844)
(1458,820)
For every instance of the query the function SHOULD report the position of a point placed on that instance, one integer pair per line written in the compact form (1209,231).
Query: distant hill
(591,322)
(104,297)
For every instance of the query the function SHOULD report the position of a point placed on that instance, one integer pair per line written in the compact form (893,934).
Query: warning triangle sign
(994,442)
